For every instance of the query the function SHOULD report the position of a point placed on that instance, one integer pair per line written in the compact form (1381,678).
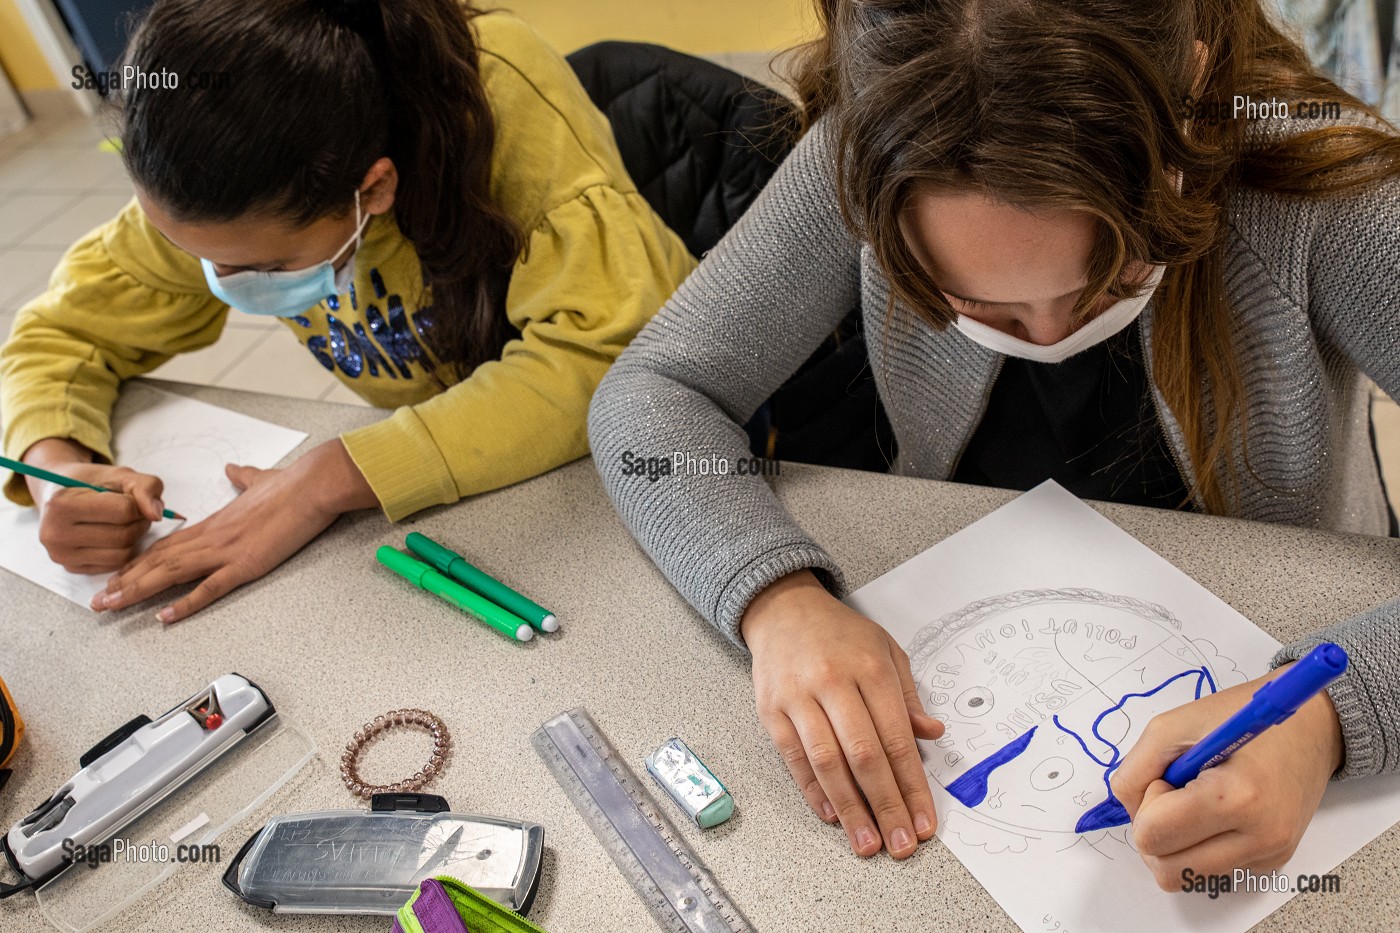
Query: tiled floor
(762,67)
(56,184)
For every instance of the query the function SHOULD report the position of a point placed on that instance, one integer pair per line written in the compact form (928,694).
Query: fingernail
(922,823)
(112,598)
(828,811)
(864,838)
(899,840)
(166,614)
(160,508)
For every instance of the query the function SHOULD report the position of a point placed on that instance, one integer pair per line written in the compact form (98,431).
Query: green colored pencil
(68,481)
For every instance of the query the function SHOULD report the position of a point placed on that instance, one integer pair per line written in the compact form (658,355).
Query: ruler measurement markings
(677,888)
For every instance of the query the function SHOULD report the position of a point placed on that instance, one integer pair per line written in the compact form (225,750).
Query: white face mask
(1095,331)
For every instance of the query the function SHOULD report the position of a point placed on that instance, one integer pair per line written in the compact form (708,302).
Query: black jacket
(701,141)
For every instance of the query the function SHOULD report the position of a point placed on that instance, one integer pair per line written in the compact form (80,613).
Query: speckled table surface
(335,640)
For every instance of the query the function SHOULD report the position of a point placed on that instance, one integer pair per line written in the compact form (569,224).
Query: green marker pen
(458,569)
(426,578)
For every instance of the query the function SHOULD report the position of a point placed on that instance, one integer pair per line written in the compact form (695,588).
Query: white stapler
(129,772)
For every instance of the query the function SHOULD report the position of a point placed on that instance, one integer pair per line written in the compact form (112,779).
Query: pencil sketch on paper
(184,442)
(192,466)
(1042,692)
(1046,638)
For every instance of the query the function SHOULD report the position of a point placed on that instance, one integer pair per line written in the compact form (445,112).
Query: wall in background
(19,53)
(701,28)
(1352,40)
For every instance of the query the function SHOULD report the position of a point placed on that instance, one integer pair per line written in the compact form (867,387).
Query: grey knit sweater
(1315,288)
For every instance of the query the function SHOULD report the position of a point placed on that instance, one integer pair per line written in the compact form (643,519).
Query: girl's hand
(836,695)
(1248,812)
(276,514)
(85,531)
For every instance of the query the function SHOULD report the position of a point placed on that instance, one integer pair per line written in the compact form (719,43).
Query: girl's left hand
(277,513)
(1247,812)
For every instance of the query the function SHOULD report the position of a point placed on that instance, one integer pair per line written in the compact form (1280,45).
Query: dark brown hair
(318,91)
(1082,106)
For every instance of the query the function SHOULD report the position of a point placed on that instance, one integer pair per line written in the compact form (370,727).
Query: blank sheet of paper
(1045,637)
(184,442)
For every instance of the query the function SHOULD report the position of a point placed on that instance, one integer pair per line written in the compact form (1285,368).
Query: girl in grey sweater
(1089,241)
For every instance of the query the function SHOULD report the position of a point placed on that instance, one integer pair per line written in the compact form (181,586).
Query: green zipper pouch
(446,905)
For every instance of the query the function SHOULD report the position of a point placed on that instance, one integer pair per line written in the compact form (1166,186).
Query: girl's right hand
(95,532)
(835,693)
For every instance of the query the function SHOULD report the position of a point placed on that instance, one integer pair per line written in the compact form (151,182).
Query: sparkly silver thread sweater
(1315,288)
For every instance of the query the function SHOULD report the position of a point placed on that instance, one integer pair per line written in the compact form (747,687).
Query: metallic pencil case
(371,862)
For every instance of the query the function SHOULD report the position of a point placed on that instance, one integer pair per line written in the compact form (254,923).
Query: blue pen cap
(1314,671)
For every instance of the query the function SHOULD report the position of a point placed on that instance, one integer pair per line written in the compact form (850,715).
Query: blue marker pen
(1272,704)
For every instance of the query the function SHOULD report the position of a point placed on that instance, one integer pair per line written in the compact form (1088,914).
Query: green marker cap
(453,564)
(403,564)
(430,551)
(426,578)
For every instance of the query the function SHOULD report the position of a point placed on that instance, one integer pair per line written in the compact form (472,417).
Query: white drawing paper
(184,442)
(1045,637)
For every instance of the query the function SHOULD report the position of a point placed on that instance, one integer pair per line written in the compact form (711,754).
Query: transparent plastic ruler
(675,885)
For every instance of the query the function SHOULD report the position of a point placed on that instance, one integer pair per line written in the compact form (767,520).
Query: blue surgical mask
(287,294)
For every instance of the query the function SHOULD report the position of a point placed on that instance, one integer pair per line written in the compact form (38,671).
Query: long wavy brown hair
(1089,105)
(318,91)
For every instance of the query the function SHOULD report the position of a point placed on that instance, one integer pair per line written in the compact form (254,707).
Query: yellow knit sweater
(598,264)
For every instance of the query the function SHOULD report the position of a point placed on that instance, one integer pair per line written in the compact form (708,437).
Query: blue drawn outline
(970,789)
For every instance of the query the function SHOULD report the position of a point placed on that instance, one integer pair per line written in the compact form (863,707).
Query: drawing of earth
(1042,692)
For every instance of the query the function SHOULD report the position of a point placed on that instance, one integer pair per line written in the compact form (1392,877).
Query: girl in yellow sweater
(427,198)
